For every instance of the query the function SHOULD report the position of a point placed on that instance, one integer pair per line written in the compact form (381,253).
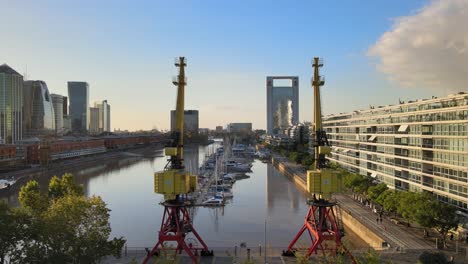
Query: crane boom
(178,133)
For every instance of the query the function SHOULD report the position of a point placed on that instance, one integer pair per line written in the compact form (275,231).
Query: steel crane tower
(174,182)
(322,221)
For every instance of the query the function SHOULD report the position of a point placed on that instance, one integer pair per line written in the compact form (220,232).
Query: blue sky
(125,51)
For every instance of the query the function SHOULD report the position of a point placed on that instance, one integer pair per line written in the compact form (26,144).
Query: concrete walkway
(395,235)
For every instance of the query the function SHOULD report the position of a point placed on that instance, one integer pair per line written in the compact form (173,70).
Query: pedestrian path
(395,235)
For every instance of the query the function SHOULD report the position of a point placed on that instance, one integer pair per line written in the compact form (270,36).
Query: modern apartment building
(11,105)
(417,146)
(78,94)
(282,103)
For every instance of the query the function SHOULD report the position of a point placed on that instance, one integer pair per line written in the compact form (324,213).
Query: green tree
(352,180)
(425,209)
(407,205)
(445,219)
(432,258)
(65,186)
(10,231)
(389,200)
(63,226)
(363,185)
(31,198)
(307,160)
(374,192)
(79,229)
(294,156)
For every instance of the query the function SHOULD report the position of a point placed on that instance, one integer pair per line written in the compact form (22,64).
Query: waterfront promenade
(397,236)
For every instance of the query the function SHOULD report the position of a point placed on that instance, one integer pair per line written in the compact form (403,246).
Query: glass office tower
(78,96)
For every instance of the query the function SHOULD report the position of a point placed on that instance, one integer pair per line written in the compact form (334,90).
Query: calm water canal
(267,197)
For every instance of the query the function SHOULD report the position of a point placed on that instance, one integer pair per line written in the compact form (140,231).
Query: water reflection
(279,192)
(127,186)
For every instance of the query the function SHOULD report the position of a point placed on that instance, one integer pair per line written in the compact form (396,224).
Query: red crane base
(175,226)
(323,229)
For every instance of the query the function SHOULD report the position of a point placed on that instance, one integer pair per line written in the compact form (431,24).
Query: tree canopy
(59,226)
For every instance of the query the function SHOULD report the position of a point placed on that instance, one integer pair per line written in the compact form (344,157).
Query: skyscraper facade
(78,94)
(104,116)
(11,105)
(65,106)
(108,125)
(94,121)
(57,102)
(282,103)
(415,146)
(190,121)
(38,110)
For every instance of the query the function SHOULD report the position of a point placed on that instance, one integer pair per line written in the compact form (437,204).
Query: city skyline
(130,48)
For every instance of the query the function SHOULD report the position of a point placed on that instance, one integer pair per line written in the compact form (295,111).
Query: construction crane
(323,221)
(173,183)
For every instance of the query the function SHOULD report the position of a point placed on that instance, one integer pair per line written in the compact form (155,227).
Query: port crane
(174,182)
(322,221)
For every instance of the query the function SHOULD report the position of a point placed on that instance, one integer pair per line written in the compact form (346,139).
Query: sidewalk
(395,235)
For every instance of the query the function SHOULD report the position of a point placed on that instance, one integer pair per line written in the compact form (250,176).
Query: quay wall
(349,221)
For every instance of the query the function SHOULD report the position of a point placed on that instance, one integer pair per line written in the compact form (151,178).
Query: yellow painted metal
(324,150)
(323,182)
(171,183)
(193,182)
(180,105)
(170,151)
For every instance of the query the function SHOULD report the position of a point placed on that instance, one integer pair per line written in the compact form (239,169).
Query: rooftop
(4,68)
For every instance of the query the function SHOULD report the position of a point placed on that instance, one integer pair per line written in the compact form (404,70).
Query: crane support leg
(175,227)
(324,232)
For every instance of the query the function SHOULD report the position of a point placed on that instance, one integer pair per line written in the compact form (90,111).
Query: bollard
(260,249)
(248,254)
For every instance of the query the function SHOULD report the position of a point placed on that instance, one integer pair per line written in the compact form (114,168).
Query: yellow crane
(322,221)
(173,182)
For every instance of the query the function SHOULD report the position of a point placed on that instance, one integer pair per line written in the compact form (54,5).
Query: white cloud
(428,49)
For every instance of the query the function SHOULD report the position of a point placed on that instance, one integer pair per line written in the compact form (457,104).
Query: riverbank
(63,166)
(379,236)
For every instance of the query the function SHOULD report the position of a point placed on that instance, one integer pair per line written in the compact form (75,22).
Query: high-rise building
(190,121)
(94,121)
(57,102)
(239,127)
(104,116)
(11,105)
(78,94)
(66,117)
(66,124)
(282,103)
(108,125)
(38,110)
(65,106)
(416,146)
